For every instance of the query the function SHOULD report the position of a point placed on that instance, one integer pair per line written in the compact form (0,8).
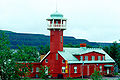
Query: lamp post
(82,68)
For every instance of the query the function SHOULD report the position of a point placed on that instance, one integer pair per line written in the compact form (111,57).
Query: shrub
(96,75)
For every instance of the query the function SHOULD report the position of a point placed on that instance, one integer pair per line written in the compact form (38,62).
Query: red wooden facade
(87,69)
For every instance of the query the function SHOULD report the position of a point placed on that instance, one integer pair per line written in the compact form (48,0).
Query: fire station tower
(56,25)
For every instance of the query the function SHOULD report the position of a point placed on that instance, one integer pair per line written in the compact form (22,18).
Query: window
(63,61)
(37,69)
(100,68)
(99,57)
(32,70)
(61,38)
(86,58)
(75,69)
(46,60)
(93,58)
(103,58)
(81,58)
(46,70)
(63,69)
(56,56)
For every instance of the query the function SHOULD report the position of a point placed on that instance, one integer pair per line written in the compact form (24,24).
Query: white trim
(72,62)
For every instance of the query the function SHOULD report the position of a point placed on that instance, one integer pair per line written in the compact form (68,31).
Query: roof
(68,53)
(56,15)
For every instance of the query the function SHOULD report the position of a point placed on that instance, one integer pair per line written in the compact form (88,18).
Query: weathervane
(56,5)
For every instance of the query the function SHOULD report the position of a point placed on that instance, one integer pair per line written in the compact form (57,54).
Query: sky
(94,20)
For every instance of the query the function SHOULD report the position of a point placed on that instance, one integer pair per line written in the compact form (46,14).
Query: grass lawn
(58,79)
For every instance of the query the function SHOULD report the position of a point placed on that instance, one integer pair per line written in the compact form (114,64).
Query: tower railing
(57,25)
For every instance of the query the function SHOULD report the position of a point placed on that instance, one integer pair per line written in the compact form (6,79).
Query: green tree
(44,49)
(10,70)
(114,52)
(27,53)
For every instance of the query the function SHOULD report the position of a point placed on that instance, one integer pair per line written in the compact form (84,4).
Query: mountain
(41,39)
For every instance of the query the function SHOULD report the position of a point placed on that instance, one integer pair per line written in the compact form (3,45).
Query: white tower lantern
(56,21)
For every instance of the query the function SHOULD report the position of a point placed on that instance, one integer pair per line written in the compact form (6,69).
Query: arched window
(37,69)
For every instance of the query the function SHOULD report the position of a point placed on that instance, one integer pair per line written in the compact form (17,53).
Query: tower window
(61,38)
(56,22)
(56,56)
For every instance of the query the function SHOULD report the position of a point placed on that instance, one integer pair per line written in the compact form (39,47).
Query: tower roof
(56,14)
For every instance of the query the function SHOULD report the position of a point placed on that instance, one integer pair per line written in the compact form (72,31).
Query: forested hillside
(41,39)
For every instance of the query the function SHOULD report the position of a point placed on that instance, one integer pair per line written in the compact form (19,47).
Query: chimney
(83,45)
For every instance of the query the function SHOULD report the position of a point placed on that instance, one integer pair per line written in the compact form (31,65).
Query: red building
(72,62)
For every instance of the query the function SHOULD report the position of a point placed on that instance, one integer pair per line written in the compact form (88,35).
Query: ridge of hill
(41,39)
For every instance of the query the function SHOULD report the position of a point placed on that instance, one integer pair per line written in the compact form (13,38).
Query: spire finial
(56,6)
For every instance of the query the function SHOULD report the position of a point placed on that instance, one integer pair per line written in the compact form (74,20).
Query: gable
(93,53)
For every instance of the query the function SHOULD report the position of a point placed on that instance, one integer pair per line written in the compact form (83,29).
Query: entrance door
(108,70)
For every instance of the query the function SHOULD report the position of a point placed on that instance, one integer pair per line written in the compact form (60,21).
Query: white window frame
(37,69)
(63,69)
(56,56)
(75,69)
(92,58)
(81,58)
(100,68)
(99,57)
(86,58)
